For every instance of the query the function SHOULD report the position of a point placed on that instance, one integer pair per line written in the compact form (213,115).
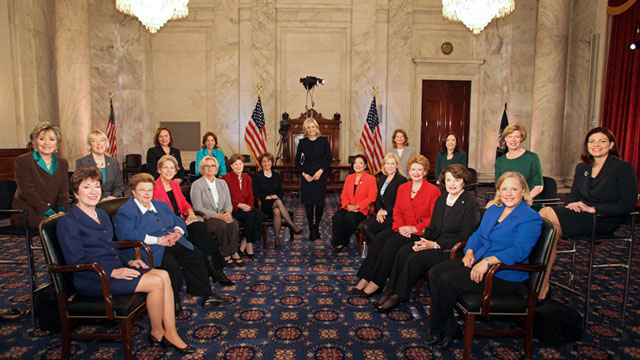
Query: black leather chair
(548,196)
(474,304)
(74,307)
(131,165)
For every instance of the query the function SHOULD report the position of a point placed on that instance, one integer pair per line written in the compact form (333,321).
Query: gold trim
(617,10)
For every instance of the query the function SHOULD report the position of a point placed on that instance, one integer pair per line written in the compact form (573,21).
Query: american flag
(111,131)
(371,140)
(255,135)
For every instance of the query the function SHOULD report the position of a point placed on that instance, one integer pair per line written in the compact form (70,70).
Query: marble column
(73,74)
(549,83)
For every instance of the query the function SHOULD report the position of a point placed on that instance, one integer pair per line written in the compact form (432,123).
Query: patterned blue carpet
(292,303)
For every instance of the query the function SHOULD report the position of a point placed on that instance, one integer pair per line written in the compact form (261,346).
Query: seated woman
(169,191)
(211,197)
(411,215)
(508,232)
(153,221)
(450,154)
(112,185)
(603,184)
(86,235)
(267,186)
(385,198)
(163,142)
(401,148)
(241,189)
(454,219)
(210,148)
(358,192)
(42,178)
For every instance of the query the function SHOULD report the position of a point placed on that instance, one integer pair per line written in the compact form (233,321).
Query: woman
(250,218)
(385,198)
(401,147)
(152,221)
(358,193)
(169,191)
(507,233)
(86,235)
(455,217)
(411,215)
(267,186)
(112,185)
(313,158)
(163,142)
(519,159)
(603,184)
(211,197)
(450,154)
(42,178)
(210,148)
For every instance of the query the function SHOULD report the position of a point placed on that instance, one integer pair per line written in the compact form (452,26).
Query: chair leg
(265,243)
(587,301)
(628,273)
(469,328)
(360,239)
(418,287)
(528,336)
(126,331)
(290,233)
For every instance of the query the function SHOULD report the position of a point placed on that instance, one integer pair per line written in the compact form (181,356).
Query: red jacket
(417,211)
(244,195)
(159,193)
(365,192)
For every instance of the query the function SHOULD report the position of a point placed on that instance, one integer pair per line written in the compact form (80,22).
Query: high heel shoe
(446,340)
(355,291)
(389,304)
(155,342)
(185,350)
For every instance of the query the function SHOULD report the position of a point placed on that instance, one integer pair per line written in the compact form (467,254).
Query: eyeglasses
(147,191)
(210,166)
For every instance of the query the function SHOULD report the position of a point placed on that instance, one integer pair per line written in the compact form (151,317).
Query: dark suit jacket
(155,153)
(113,185)
(388,200)
(461,221)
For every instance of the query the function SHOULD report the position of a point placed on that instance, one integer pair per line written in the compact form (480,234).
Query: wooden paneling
(7,159)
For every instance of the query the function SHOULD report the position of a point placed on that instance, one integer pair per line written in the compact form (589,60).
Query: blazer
(130,224)
(263,186)
(112,185)
(216,153)
(202,199)
(613,191)
(388,200)
(313,155)
(460,222)
(511,240)
(365,192)
(155,153)
(238,195)
(459,157)
(417,211)
(404,159)
(159,193)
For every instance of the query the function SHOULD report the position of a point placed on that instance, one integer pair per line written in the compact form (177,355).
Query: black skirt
(580,223)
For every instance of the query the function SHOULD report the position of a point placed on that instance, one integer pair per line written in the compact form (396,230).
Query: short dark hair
(393,137)
(155,137)
(586,158)
(204,139)
(457,171)
(359,156)
(267,155)
(443,143)
(235,157)
(82,174)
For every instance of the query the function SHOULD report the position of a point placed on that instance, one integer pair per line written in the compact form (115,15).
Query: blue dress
(83,240)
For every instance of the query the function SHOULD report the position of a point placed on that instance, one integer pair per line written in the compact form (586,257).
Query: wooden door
(445,108)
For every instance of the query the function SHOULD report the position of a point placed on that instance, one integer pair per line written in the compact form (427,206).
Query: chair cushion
(513,303)
(90,306)
(15,231)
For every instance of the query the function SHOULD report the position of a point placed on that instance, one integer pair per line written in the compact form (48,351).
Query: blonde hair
(308,121)
(396,158)
(95,133)
(204,160)
(45,126)
(514,127)
(523,183)
(166,158)
(418,159)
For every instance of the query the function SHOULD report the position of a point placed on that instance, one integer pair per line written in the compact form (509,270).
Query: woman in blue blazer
(98,143)
(508,232)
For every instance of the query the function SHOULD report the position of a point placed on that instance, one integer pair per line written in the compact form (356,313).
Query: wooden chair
(74,307)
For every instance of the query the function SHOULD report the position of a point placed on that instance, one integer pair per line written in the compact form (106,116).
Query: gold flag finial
(375,90)
(110,94)
(259,89)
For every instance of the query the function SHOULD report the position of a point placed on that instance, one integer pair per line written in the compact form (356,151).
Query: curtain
(621,110)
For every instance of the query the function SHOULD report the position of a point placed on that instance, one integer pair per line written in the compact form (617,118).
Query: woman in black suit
(313,158)
(603,184)
(455,216)
(386,198)
(112,185)
(163,142)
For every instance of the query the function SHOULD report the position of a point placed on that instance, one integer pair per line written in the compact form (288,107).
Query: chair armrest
(201,214)
(613,215)
(488,283)
(457,247)
(138,245)
(258,203)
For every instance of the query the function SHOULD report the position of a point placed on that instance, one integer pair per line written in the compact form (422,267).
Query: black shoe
(214,300)
(364,294)
(316,231)
(221,278)
(446,340)
(297,231)
(355,291)
(389,304)
(185,350)
(154,342)
(383,298)
(312,234)
(178,310)
(431,340)
(339,249)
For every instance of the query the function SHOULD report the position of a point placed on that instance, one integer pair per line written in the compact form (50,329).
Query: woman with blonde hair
(98,143)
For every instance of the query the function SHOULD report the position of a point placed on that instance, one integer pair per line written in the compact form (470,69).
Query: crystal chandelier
(476,14)
(153,14)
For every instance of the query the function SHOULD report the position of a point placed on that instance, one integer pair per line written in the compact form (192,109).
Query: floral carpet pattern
(292,303)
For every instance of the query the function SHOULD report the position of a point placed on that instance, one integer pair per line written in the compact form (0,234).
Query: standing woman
(42,178)
(385,198)
(401,147)
(450,154)
(210,148)
(313,158)
(267,186)
(358,193)
(163,142)
(250,218)
(112,185)
(603,184)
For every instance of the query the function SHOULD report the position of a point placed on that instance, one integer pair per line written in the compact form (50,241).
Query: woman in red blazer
(411,215)
(169,191)
(241,190)
(358,193)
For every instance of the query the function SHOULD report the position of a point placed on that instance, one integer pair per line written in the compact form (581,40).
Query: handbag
(555,323)
(46,309)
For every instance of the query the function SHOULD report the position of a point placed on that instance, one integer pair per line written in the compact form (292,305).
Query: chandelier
(153,14)
(476,14)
